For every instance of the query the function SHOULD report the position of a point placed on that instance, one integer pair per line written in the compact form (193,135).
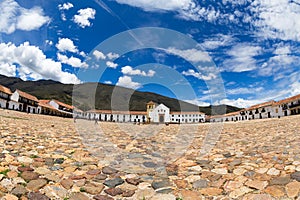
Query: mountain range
(103,96)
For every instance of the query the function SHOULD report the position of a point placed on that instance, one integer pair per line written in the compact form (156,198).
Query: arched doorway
(161,118)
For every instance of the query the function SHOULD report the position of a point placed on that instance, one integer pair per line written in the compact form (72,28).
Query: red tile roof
(150,103)
(269,103)
(186,113)
(27,96)
(287,100)
(44,103)
(232,113)
(63,104)
(5,90)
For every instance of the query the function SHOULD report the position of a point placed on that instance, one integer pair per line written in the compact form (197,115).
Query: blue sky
(246,50)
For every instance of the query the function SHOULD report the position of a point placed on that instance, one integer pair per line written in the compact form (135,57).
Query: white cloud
(253,90)
(126,81)
(281,64)
(65,6)
(32,62)
(72,61)
(217,41)
(192,55)
(83,17)
(186,9)
(63,16)
(242,58)
(282,50)
(154,5)
(277,19)
(65,44)
(31,19)
(199,75)
(99,55)
(49,42)
(240,102)
(295,88)
(111,64)
(83,54)
(7,69)
(127,70)
(14,17)
(197,102)
(108,82)
(112,56)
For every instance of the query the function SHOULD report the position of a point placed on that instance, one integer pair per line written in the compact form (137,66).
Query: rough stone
(67,183)
(160,184)
(109,170)
(28,175)
(280,180)
(133,181)
(23,169)
(275,191)
(37,196)
(93,189)
(79,196)
(55,192)
(102,197)
(164,197)
(7,184)
(9,197)
(240,192)
(35,185)
(221,171)
(113,182)
(190,195)
(113,191)
(93,172)
(258,197)
(128,193)
(24,159)
(200,184)
(259,185)
(296,176)
(181,184)
(19,190)
(293,189)
(273,172)
(211,191)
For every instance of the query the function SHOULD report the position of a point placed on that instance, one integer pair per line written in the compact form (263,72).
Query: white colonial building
(114,116)
(24,102)
(5,94)
(56,108)
(270,109)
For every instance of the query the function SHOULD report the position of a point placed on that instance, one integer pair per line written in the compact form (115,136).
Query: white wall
(160,110)
(15,96)
(53,104)
(187,118)
(14,105)
(3,103)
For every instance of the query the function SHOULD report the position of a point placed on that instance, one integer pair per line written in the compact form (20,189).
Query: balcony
(294,105)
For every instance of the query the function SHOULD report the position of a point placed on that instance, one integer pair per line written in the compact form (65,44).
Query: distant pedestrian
(96,121)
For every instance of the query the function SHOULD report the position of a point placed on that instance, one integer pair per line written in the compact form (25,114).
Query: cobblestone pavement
(44,157)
